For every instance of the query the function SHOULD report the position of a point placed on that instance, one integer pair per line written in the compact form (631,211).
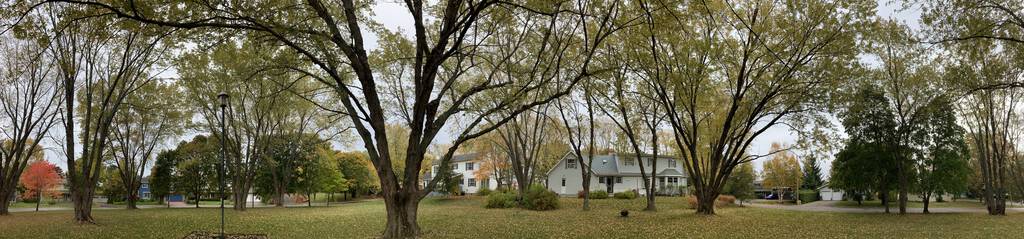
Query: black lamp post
(223,156)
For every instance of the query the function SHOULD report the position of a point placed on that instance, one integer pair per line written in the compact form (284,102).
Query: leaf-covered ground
(466,218)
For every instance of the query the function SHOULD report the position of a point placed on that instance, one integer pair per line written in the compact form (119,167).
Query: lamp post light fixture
(223,97)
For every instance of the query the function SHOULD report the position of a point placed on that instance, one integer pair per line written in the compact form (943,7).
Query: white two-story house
(616,173)
(467,166)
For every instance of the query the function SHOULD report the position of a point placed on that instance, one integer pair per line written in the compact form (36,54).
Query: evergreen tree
(161,181)
(812,174)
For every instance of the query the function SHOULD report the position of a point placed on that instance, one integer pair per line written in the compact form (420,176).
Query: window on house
(629,162)
(455,166)
(671,163)
(471,182)
(571,163)
(461,182)
(600,179)
(618,179)
(649,161)
(469,166)
(563,182)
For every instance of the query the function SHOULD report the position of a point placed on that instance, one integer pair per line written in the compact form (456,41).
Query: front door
(610,181)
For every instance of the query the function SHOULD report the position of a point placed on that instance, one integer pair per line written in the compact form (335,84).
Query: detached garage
(828,194)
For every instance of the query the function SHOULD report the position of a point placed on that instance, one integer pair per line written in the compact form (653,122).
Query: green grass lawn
(466,218)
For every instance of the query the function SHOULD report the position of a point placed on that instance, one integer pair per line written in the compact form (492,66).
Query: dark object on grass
(624,213)
(212,235)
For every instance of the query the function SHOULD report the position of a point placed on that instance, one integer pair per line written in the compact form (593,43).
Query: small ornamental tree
(741,183)
(40,178)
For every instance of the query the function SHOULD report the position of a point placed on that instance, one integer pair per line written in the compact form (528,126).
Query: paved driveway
(831,206)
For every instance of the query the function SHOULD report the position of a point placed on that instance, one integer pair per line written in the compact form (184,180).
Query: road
(830,206)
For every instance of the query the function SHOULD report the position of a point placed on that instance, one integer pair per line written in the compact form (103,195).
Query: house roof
(460,158)
(605,165)
(670,172)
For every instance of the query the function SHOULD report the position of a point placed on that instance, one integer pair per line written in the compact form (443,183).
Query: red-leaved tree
(40,178)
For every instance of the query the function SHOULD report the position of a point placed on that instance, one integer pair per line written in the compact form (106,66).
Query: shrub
(483,192)
(691,201)
(724,200)
(540,199)
(625,195)
(807,195)
(721,201)
(501,200)
(599,194)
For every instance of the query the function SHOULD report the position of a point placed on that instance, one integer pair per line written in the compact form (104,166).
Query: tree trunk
(586,189)
(904,184)
(926,198)
(279,197)
(133,199)
(39,199)
(401,215)
(82,199)
(5,201)
(885,200)
(706,202)
(239,197)
(650,197)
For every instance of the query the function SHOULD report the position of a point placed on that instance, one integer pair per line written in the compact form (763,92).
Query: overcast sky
(395,17)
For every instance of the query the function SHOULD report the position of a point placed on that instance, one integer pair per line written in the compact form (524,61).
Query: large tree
(906,76)
(195,171)
(101,61)
(286,157)
(992,116)
(29,102)
(152,115)
(867,163)
(749,66)
(260,104)
(943,166)
(631,106)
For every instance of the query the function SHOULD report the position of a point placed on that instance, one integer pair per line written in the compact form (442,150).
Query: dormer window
(571,163)
(671,163)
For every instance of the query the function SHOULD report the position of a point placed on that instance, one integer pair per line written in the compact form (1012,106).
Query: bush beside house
(483,191)
(540,199)
(501,199)
(625,195)
(537,198)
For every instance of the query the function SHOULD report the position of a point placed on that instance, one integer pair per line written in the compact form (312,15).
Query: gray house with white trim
(614,173)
